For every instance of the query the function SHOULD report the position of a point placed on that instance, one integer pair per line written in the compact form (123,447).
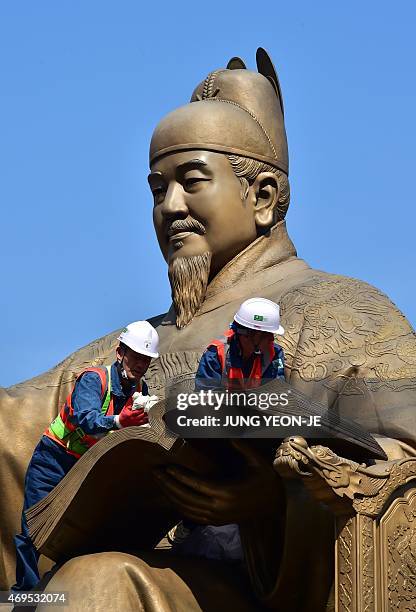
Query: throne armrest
(374,509)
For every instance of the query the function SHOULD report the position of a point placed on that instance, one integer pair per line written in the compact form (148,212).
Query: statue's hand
(259,492)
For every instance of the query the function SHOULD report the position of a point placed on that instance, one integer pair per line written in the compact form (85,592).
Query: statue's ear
(266,190)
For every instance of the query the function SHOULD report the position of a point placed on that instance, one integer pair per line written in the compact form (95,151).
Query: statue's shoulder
(324,295)
(97,352)
(334,322)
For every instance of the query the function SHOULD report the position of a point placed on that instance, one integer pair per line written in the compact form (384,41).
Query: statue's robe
(346,345)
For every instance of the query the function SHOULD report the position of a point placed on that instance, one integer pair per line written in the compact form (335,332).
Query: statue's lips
(175,236)
(180,236)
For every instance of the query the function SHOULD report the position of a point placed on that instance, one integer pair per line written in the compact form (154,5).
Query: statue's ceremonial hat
(234,111)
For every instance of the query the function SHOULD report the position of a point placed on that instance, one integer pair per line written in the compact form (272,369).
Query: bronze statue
(219,177)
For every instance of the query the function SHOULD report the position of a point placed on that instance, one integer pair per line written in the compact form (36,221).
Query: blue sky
(83,85)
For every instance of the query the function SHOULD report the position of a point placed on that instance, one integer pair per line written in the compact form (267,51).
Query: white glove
(151,401)
(144,401)
(139,400)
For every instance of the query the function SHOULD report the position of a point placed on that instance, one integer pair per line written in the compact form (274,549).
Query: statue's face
(198,207)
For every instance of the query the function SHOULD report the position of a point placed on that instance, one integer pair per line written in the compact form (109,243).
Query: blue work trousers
(49,464)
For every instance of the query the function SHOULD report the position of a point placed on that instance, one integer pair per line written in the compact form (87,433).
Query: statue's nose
(174,204)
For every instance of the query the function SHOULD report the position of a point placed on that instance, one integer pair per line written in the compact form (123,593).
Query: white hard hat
(259,313)
(141,337)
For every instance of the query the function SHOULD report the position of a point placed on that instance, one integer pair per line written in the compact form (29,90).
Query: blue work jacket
(87,401)
(210,372)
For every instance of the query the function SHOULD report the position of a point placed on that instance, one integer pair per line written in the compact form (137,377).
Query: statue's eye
(190,182)
(159,193)
(194,182)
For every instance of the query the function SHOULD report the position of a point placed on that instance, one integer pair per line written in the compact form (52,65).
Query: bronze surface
(346,345)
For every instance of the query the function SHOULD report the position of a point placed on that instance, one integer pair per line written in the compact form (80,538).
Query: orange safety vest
(72,437)
(233,377)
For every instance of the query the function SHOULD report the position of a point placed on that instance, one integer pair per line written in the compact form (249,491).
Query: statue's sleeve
(348,346)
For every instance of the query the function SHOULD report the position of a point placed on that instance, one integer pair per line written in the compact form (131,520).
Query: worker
(246,356)
(104,399)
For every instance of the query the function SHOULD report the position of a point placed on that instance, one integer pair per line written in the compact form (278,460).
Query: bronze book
(110,499)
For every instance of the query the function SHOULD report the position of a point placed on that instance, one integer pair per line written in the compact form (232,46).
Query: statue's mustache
(185,225)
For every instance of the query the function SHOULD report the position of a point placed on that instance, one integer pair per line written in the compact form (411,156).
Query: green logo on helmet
(259,318)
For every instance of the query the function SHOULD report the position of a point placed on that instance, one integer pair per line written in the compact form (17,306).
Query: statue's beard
(188,278)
